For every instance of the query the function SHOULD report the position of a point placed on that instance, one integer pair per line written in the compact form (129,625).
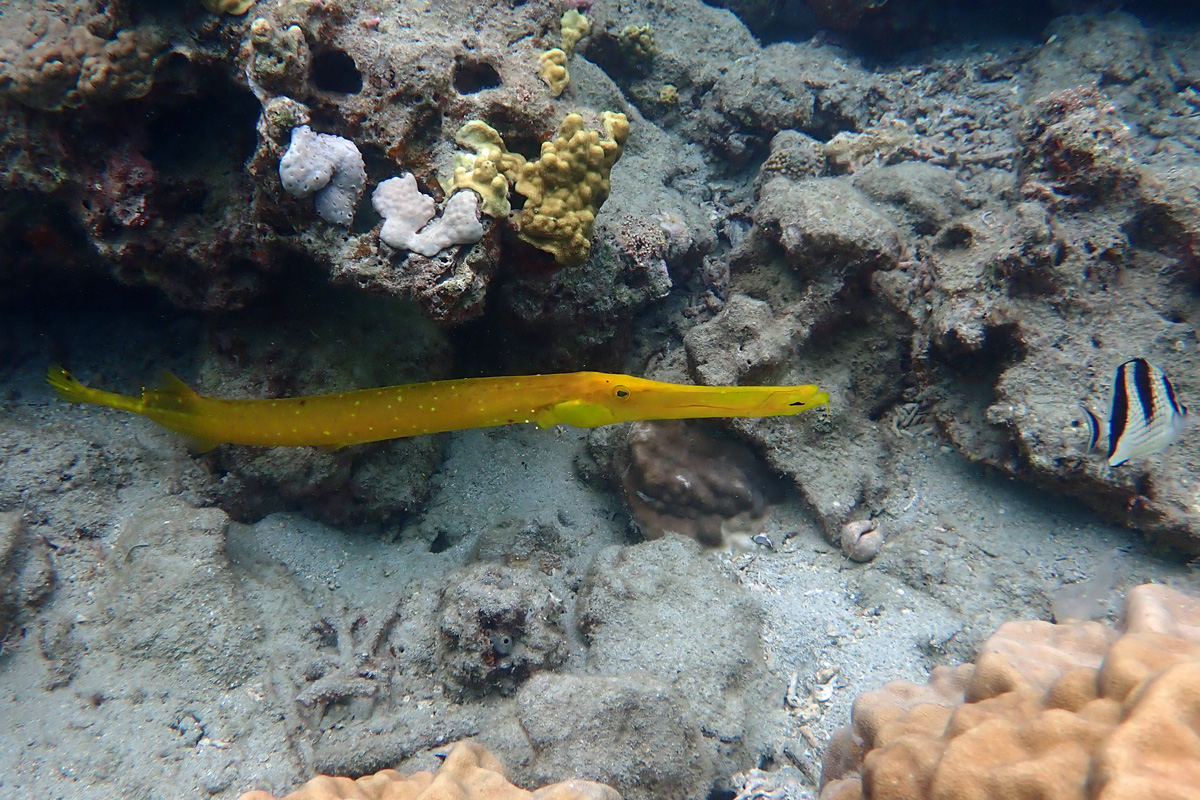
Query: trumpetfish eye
(620,391)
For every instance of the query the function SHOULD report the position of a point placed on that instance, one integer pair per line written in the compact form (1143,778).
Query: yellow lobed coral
(637,42)
(566,186)
(487,169)
(469,772)
(1047,712)
(554,70)
(574,26)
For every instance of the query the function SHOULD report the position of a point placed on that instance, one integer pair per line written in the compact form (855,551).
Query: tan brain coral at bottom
(469,772)
(1047,712)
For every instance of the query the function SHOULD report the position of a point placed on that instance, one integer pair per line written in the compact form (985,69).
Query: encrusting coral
(566,186)
(407,215)
(469,772)
(1047,712)
(486,170)
(637,42)
(331,167)
(574,27)
(686,479)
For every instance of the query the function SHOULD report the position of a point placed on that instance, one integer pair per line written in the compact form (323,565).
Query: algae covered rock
(825,221)
(497,626)
(664,610)
(632,732)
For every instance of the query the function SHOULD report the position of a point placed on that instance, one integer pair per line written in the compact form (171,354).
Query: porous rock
(632,732)
(172,595)
(743,344)
(793,155)
(826,221)
(924,196)
(497,626)
(663,610)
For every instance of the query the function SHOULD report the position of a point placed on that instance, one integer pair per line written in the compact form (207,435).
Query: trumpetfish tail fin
(171,395)
(69,388)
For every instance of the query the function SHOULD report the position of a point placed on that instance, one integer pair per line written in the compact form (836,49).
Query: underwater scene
(599,399)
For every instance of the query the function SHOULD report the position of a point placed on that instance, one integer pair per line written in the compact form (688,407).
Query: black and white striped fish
(1145,416)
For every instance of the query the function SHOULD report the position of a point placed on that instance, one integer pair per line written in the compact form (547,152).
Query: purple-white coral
(328,165)
(407,212)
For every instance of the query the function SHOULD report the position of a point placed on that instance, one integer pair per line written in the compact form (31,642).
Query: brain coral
(1047,712)
(469,772)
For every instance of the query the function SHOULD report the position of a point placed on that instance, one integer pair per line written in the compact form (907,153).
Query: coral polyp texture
(407,215)
(487,169)
(574,27)
(329,167)
(567,184)
(468,772)
(1047,711)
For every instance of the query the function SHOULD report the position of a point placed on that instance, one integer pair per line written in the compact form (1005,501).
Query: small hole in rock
(440,543)
(475,76)
(335,71)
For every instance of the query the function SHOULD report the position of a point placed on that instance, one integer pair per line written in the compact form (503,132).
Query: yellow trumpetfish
(583,399)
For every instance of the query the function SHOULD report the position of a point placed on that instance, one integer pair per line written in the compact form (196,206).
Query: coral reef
(51,63)
(1046,711)
(984,295)
(469,772)
(961,244)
